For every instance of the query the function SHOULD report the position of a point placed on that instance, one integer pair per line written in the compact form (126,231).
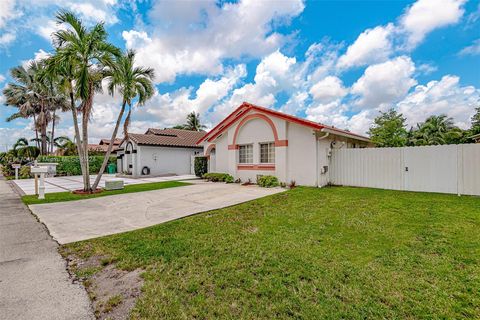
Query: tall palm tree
(193,122)
(131,82)
(437,130)
(83,54)
(30,96)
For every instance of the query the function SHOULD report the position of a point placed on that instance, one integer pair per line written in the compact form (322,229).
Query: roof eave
(345,134)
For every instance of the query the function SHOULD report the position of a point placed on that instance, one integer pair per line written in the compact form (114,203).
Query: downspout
(316,155)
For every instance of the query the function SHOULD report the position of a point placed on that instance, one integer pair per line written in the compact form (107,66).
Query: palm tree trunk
(110,147)
(43,130)
(53,132)
(37,142)
(78,141)
(87,106)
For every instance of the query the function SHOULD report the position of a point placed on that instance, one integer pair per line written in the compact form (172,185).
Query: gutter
(345,134)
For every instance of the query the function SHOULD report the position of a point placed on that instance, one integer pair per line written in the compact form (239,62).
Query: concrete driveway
(85,219)
(70,183)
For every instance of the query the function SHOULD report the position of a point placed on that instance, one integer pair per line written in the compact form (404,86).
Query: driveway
(34,282)
(85,219)
(70,183)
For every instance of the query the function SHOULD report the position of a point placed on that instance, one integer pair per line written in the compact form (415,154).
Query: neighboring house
(476,138)
(102,146)
(159,152)
(255,141)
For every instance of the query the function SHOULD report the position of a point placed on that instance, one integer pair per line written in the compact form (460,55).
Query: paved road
(85,219)
(34,283)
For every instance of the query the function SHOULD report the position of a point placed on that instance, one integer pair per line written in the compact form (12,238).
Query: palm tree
(437,130)
(193,123)
(22,149)
(27,94)
(82,56)
(66,146)
(131,82)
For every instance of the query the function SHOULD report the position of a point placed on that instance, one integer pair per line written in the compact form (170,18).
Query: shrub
(267,181)
(200,166)
(218,177)
(70,165)
(292,184)
(24,172)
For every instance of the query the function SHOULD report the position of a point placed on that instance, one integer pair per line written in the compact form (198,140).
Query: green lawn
(332,253)
(68,196)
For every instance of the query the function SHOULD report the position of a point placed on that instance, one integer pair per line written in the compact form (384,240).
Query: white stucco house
(255,141)
(159,152)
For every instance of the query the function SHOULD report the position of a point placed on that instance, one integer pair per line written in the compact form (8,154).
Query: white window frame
(270,152)
(248,159)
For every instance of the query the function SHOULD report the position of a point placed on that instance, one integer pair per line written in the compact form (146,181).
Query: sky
(335,62)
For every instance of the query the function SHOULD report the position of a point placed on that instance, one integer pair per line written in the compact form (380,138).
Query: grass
(331,253)
(68,196)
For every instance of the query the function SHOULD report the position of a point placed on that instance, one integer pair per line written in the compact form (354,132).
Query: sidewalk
(34,283)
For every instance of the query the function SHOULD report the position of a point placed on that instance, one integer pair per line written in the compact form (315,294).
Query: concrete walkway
(34,283)
(84,219)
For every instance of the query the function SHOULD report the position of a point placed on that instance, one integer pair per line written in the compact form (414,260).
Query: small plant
(268,181)
(292,184)
(229,179)
(283,184)
(238,180)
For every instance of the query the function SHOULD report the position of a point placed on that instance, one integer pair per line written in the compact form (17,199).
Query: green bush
(70,165)
(268,181)
(200,166)
(218,177)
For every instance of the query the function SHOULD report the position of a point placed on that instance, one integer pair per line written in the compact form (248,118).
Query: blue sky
(336,62)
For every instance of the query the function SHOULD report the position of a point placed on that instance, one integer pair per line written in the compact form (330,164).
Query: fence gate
(446,169)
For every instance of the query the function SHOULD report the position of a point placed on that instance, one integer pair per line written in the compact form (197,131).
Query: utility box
(113,184)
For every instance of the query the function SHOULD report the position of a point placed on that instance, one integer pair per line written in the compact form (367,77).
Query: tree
(131,82)
(82,56)
(28,94)
(388,130)
(475,129)
(193,123)
(437,130)
(22,149)
(66,146)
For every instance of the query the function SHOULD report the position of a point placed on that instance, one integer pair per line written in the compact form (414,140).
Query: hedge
(218,177)
(70,165)
(200,166)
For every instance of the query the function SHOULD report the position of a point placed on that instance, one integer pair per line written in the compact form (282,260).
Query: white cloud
(384,83)
(425,16)
(39,55)
(195,37)
(372,45)
(7,38)
(446,96)
(2,78)
(7,12)
(328,89)
(473,49)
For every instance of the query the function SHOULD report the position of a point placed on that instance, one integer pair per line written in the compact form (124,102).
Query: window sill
(261,167)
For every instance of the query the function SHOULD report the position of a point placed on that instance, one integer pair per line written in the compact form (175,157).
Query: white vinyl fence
(446,169)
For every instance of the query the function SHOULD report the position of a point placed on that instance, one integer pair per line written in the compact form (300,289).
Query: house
(255,141)
(476,138)
(158,152)
(102,146)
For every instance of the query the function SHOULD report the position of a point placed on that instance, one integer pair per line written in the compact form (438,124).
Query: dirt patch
(113,292)
(83,192)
